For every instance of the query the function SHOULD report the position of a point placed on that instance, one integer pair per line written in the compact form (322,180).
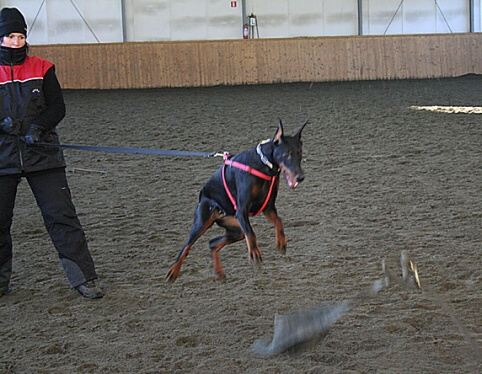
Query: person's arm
(54,99)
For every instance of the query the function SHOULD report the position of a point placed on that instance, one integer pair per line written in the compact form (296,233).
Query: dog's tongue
(291,180)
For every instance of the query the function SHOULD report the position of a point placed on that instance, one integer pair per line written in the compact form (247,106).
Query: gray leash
(137,151)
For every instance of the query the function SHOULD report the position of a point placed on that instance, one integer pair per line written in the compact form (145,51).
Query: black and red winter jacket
(30,94)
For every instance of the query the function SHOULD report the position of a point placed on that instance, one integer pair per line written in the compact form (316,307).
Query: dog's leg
(204,218)
(253,250)
(273,217)
(232,235)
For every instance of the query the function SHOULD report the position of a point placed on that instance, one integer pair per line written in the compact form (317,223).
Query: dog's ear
(279,133)
(298,133)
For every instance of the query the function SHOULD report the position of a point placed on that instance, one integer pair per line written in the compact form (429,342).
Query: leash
(137,151)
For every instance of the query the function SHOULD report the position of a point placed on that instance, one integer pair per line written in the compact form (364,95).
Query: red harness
(247,169)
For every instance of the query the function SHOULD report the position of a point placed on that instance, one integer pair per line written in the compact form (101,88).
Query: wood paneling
(253,61)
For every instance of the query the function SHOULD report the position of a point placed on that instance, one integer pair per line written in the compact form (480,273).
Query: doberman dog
(246,185)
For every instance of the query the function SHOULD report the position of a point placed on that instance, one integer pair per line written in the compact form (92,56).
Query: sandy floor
(381,176)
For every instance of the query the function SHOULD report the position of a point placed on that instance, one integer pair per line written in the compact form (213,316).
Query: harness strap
(268,196)
(230,195)
(247,169)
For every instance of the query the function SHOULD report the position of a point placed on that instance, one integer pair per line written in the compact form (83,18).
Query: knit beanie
(11,20)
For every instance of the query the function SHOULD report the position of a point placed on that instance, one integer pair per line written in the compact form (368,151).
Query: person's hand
(33,134)
(10,126)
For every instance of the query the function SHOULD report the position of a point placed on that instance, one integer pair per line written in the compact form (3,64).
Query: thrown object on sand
(303,329)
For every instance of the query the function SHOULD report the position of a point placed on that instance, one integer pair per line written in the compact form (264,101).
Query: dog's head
(287,154)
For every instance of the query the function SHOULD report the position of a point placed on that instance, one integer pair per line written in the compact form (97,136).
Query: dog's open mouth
(290,177)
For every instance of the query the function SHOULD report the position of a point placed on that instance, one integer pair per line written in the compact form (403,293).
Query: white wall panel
(382,17)
(294,18)
(61,21)
(477,16)
(90,21)
(272,17)
(148,20)
(188,20)
(340,18)
(158,20)
(223,21)
(306,20)
(457,14)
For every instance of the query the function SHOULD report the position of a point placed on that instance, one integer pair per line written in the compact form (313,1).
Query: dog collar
(263,158)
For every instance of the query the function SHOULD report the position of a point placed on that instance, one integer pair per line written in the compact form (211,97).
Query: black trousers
(53,197)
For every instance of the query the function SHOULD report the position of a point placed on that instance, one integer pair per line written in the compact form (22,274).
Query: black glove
(33,134)
(10,126)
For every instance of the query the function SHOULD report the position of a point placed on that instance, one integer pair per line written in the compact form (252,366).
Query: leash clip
(217,154)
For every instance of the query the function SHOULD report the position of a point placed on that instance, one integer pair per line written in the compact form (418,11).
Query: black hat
(11,20)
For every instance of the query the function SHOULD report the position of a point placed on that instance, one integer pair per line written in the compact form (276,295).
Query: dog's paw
(220,277)
(282,249)
(281,246)
(255,256)
(173,273)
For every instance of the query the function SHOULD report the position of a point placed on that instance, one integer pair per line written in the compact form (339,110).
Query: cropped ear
(298,133)
(279,133)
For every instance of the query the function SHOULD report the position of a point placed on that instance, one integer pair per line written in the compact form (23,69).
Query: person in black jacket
(31,106)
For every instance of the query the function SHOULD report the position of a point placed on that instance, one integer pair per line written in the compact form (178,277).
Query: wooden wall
(235,62)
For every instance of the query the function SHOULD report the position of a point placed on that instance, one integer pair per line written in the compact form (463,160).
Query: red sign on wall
(233,4)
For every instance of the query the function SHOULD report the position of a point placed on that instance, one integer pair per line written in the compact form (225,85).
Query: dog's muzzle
(292,179)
